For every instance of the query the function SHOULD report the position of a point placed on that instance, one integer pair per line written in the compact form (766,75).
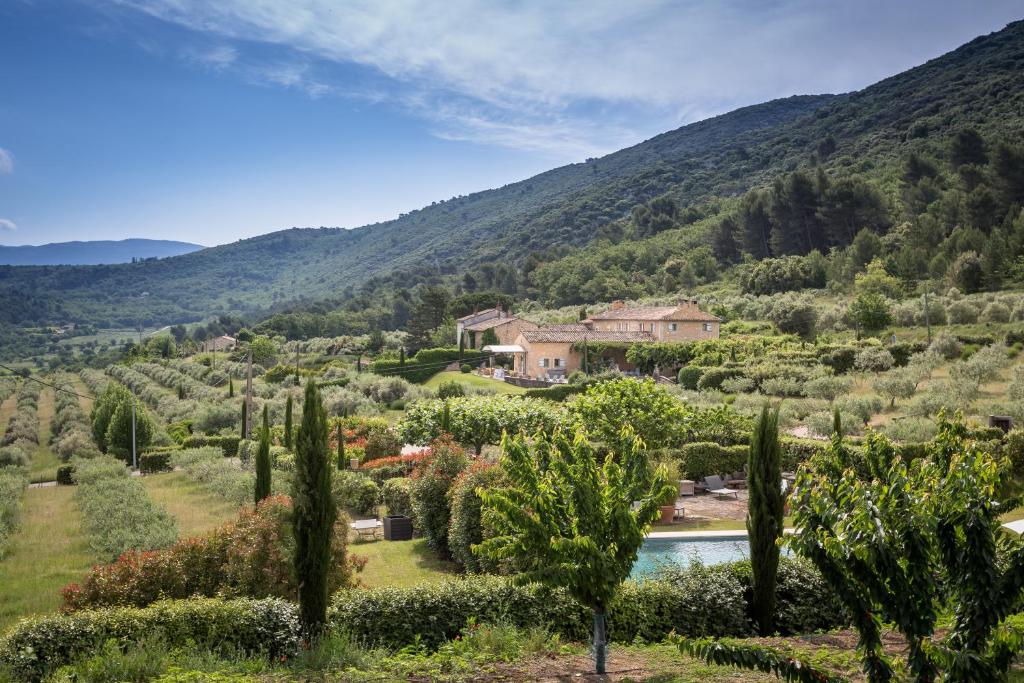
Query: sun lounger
(717,486)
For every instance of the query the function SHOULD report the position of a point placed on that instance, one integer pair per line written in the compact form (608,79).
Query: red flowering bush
(247,558)
(409,459)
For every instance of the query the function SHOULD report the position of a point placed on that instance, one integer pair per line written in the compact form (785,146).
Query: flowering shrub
(410,459)
(431,483)
(250,558)
(466,527)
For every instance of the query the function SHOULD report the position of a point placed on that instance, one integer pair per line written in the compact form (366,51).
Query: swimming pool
(661,552)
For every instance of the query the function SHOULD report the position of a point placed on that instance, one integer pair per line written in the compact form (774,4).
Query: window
(707,327)
(545,362)
(672,327)
(559,362)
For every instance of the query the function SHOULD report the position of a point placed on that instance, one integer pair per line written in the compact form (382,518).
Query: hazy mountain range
(95,252)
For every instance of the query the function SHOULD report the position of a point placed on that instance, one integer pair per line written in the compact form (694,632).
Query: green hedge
(150,463)
(713,377)
(697,601)
(425,364)
(41,644)
(558,392)
(699,459)
(689,376)
(228,444)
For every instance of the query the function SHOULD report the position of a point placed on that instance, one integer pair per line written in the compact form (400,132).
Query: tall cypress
(765,505)
(242,432)
(263,460)
(315,514)
(401,357)
(288,423)
(341,446)
(231,387)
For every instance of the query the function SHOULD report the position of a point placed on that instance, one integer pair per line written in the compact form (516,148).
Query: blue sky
(213,121)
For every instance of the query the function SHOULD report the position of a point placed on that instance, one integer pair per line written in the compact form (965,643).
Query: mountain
(95,252)
(979,85)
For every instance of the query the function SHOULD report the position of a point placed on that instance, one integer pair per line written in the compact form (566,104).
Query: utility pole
(135,460)
(927,321)
(248,397)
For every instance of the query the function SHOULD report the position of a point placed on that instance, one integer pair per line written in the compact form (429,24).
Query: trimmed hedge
(558,392)
(698,601)
(699,459)
(689,376)
(425,364)
(713,377)
(228,444)
(150,463)
(39,645)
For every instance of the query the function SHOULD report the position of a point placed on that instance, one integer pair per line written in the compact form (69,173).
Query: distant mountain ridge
(978,85)
(93,252)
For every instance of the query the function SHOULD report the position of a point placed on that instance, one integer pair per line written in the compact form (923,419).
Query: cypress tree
(764,516)
(242,431)
(446,419)
(288,423)
(263,460)
(314,514)
(341,447)
(181,392)
(231,387)
(401,357)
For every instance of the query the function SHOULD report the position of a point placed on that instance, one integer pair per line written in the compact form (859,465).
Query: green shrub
(382,443)
(698,460)
(466,528)
(840,358)
(430,493)
(425,364)
(689,376)
(355,492)
(465,368)
(712,378)
(66,475)
(450,389)
(396,496)
(13,481)
(154,462)
(558,392)
(228,444)
(39,645)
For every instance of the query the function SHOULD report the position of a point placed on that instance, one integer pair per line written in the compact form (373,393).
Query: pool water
(678,552)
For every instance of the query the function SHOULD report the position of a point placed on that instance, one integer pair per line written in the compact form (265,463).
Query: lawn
(47,553)
(400,563)
(196,509)
(472,381)
(44,461)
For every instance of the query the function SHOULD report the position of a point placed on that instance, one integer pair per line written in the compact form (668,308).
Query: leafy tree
(288,428)
(871,311)
(652,413)
(263,460)
(764,515)
(262,349)
(967,272)
(314,515)
(489,337)
(967,147)
(794,314)
(899,383)
(876,280)
(570,521)
(119,432)
(103,409)
(430,501)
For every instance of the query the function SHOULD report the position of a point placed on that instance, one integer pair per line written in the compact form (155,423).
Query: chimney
(618,305)
(688,304)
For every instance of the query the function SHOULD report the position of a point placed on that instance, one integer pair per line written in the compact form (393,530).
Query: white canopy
(1016,526)
(508,348)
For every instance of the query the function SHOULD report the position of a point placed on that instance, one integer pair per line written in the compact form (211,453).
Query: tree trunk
(600,642)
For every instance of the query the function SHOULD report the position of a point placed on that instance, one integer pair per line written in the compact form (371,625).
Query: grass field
(400,563)
(193,506)
(44,461)
(473,381)
(47,553)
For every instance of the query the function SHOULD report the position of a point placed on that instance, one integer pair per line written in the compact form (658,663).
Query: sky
(209,122)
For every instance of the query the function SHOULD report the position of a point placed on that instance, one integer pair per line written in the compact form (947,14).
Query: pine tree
(764,516)
(263,460)
(341,446)
(314,514)
(244,415)
(288,423)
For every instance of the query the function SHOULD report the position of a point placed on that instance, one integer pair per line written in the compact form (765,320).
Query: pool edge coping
(725,533)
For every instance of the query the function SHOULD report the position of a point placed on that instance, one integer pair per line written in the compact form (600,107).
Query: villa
(470,329)
(551,352)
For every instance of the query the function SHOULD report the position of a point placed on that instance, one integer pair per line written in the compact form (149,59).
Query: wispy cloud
(575,76)
(7,225)
(6,162)
(217,58)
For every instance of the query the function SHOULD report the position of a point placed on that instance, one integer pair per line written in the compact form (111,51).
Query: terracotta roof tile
(655,313)
(576,333)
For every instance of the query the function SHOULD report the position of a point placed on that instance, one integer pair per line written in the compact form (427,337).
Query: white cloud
(216,58)
(555,73)
(6,162)
(7,225)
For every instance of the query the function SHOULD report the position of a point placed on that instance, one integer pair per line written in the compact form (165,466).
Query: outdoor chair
(717,486)
(680,510)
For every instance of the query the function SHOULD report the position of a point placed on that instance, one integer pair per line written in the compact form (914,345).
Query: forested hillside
(921,155)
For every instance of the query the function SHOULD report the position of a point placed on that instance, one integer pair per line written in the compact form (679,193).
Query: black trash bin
(397,528)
